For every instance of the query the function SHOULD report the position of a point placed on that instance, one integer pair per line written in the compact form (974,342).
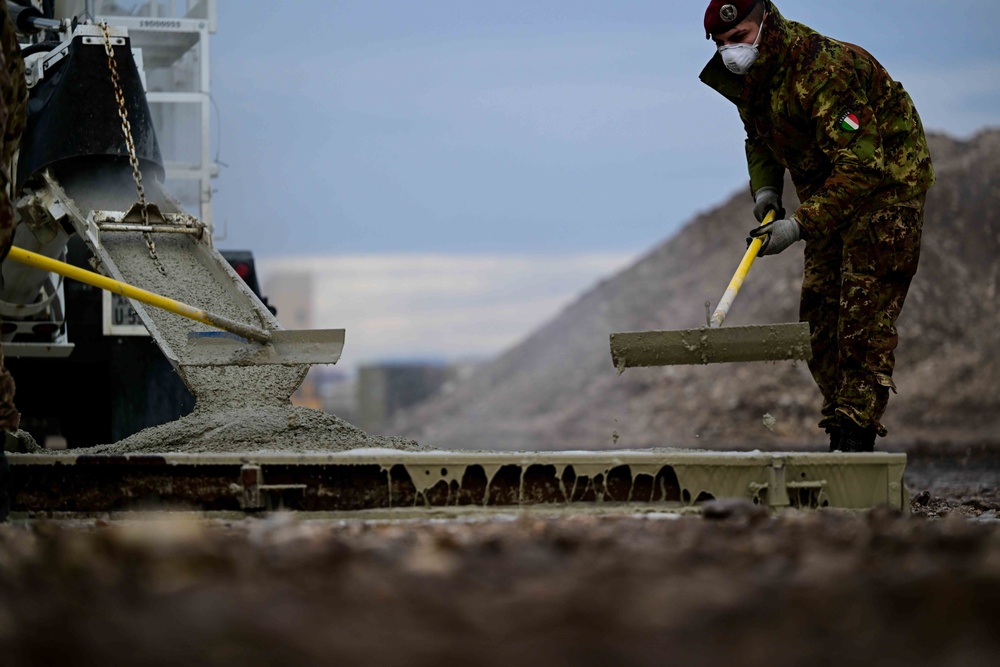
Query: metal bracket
(258,496)
(97,41)
(91,36)
(778,492)
(43,213)
(159,222)
(56,56)
(135,214)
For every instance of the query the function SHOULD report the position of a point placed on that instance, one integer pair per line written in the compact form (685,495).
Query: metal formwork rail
(372,481)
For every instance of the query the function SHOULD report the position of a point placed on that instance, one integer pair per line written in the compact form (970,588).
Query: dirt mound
(558,388)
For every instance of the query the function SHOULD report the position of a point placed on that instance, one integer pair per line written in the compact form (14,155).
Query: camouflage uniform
(854,145)
(13,111)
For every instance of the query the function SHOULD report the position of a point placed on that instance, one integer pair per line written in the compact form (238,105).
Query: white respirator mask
(739,57)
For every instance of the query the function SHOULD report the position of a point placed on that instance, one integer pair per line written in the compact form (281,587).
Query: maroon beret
(723,15)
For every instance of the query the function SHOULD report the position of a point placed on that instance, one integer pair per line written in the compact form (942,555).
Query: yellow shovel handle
(44,263)
(741,273)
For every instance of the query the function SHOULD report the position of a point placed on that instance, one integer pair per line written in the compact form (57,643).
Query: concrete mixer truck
(78,375)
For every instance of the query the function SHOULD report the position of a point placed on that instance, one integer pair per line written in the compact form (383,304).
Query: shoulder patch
(848,121)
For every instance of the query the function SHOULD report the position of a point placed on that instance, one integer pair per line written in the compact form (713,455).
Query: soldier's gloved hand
(767,199)
(777,235)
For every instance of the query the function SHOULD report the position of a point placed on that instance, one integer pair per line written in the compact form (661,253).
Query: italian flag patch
(849,122)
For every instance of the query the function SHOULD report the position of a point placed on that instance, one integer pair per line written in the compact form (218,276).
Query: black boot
(854,438)
(834,433)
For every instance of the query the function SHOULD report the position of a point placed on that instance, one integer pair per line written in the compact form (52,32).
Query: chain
(130,143)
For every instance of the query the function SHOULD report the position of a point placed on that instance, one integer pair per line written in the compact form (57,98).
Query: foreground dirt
(740,588)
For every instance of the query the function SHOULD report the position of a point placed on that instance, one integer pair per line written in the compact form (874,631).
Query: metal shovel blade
(287,347)
(711,345)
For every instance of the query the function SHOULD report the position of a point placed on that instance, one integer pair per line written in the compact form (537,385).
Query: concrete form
(398,484)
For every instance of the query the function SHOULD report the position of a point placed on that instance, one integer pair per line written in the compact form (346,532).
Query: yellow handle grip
(44,263)
(741,273)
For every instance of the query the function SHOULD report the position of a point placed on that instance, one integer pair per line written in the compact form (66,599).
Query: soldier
(852,141)
(13,111)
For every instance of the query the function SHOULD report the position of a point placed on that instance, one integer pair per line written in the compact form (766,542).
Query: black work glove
(767,199)
(777,235)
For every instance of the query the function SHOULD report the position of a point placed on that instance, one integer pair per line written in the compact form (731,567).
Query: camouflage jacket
(13,111)
(13,93)
(829,113)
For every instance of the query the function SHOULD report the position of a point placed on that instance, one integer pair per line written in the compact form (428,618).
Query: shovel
(713,344)
(236,344)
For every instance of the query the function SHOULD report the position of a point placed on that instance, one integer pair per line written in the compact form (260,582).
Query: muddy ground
(741,588)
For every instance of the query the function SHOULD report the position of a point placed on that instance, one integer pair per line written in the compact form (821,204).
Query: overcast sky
(539,126)
(527,147)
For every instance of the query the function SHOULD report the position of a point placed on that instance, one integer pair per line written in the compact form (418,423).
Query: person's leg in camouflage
(820,307)
(881,254)
(10,418)
(13,114)
(4,487)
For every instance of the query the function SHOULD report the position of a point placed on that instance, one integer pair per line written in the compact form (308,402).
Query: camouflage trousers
(853,290)
(10,418)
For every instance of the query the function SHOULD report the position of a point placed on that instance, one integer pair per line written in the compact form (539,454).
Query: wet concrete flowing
(267,428)
(239,408)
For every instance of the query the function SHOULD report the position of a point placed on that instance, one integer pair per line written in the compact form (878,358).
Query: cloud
(447,307)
